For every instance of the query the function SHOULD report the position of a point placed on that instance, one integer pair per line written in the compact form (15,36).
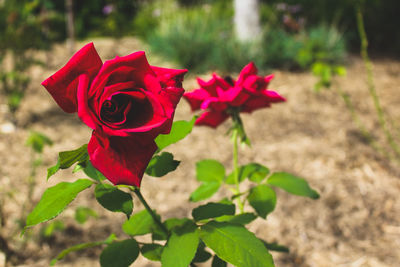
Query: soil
(356,222)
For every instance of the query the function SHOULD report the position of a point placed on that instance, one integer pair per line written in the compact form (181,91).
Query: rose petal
(64,83)
(84,112)
(265,99)
(124,160)
(269,78)
(169,77)
(196,97)
(253,84)
(211,118)
(169,97)
(273,96)
(133,67)
(248,70)
(256,102)
(235,96)
(213,103)
(142,123)
(209,86)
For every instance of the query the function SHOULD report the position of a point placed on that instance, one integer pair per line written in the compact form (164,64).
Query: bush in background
(201,37)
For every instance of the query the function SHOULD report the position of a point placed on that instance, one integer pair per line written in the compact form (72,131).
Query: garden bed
(356,221)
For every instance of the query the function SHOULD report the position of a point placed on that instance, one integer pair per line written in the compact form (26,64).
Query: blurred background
(309,46)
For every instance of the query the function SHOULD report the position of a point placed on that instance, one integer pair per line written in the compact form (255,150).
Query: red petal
(124,160)
(273,96)
(196,97)
(64,83)
(169,77)
(248,70)
(169,98)
(212,119)
(235,96)
(133,67)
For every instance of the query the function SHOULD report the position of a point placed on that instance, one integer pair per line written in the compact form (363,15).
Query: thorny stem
(371,85)
(136,190)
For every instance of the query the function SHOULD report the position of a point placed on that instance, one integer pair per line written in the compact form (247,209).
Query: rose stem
(149,210)
(235,164)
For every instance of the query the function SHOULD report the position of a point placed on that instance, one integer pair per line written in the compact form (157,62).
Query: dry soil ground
(356,222)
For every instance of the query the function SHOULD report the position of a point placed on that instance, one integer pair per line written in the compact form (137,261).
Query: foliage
(202,44)
(194,42)
(217,225)
(24,25)
(381,19)
(321,44)
(326,73)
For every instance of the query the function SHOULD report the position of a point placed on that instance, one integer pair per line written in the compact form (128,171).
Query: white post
(247,19)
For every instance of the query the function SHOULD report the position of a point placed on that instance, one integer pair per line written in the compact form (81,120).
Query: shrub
(321,43)
(200,40)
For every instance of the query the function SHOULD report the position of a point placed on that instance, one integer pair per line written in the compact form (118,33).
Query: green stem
(136,190)
(370,80)
(235,138)
(365,133)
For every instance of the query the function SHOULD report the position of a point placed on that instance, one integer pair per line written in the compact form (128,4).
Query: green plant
(278,49)
(21,21)
(326,73)
(200,39)
(321,44)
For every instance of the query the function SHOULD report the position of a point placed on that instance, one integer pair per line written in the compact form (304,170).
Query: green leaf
(67,158)
(201,254)
(179,130)
(49,229)
(204,191)
(162,164)
(78,167)
(140,223)
(340,70)
(263,199)
(37,141)
(152,251)
(235,244)
(217,262)
(175,222)
(254,171)
(181,246)
(92,172)
(82,246)
(210,170)
(120,254)
(54,200)
(242,219)
(212,210)
(82,214)
(292,184)
(275,247)
(113,199)
(52,170)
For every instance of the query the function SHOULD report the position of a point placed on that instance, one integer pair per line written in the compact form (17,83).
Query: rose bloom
(220,97)
(125,101)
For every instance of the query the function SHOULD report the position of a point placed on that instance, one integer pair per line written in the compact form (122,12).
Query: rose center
(109,106)
(130,109)
(114,110)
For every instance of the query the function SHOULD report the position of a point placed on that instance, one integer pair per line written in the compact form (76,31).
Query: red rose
(125,101)
(219,96)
